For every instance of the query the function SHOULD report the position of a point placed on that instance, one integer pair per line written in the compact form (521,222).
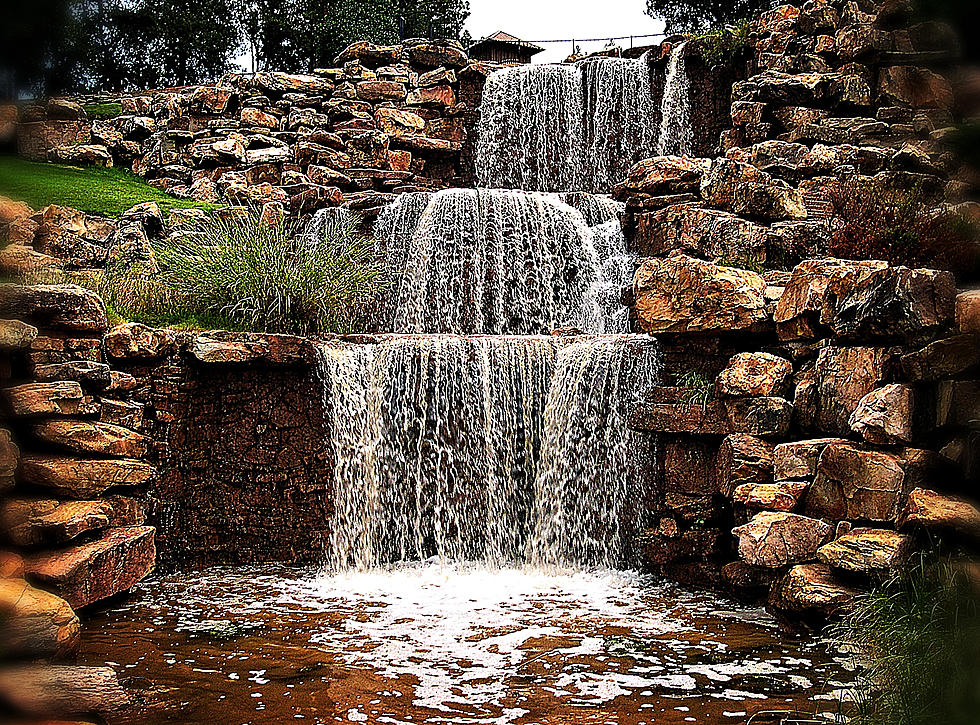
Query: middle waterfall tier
(493,449)
(504,262)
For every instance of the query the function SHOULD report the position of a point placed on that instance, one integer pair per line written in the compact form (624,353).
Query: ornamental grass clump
(241,271)
(918,635)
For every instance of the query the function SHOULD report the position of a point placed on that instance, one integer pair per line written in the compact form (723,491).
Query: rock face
(884,416)
(930,510)
(96,570)
(744,189)
(743,459)
(83,478)
(64,307)
(682,294)
(95,438)
(811,588)
(775,539)
(52,690)
(856,484)
(35,623)
(867,551)
(754,374)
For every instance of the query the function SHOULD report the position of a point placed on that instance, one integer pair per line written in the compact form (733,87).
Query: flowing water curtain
(588,490)
(675,135)
(502,262)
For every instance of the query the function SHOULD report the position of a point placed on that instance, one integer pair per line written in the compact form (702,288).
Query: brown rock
(97,438)
(682,294)
(35,624)
(399,123)
(662,175)
(719,236)
(85,372)
(83,478)
(16,335)
(439,96)
(844,375)
(743,459)
(236,348)
(688,466)
(437,53)
(257,117)
(811,588)
(133,341)
(87,573)
(709,419)
(380,91)
(9,460)
(781,496)
(856,484)
(61,398)
(128,414)
(884,416)
(798,460)
(757,373)
(943,358)
(867,551)
(957,403)
(33,522)
(929,510)
(743,189)
(52,690)
(968,311)
(369,54)
(759,416)
(81,155)
(775,539)
(65,306)
(905,85)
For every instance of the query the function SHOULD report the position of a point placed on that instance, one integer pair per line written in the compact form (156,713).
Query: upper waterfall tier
(504,262)
(566,127)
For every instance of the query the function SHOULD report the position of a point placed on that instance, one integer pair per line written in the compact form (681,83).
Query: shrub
(724,46)
(240,271)
(919,638)
(103,110)
(699,388)
(900,227)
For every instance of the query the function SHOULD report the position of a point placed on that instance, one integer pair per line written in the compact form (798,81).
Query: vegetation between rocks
(724,46)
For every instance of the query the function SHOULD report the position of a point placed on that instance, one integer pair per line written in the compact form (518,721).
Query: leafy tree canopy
(689,16)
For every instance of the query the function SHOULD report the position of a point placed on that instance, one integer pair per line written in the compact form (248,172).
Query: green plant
(725,45)
(699,388)
(103,110)
(238,270)
(918,635)
(742,261)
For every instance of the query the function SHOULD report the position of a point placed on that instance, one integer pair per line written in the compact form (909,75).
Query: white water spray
(674,138)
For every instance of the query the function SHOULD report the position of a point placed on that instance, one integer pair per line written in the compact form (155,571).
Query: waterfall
(504,262)
(674,138)
(565,127)
(493,449)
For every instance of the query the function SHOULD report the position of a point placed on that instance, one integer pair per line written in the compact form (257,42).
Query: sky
(559,19)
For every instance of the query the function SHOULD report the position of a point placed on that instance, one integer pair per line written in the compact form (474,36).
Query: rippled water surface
(432,644)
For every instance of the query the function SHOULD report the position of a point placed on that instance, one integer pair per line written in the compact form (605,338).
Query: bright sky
(551,19)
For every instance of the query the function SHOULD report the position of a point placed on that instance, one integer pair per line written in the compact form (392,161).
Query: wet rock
(932,511)
(798,460)
(662,175)
(884,416)
(35,624)
(906,85)
(98,569)
(83,478)
(132,341)
(968,311)
(52,690)
(781,496)
(683,294)
(747,578)
(744,189)
(81,155)
(85,372)
(9,460)
(743,459)
(775,539)
(16,335)
(667,544)
(855,484)
(811,588)
(96,438)
(759,374)
(867,551)
(214,348)
(804,89)
(844,375)
(759,416)
(61,398)
(706,233)
(65,306)
(943,358)
(709,419)
(33,522)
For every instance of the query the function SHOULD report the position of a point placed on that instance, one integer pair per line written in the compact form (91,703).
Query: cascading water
(488,261)
(565,127)
(674,138)
(491,449)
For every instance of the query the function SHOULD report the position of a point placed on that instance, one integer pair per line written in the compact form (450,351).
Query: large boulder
(943,358)
(843,376)
(743,459)
(92,438)
(743,189)
(132,341)
(81,155)
(804,89)
(683,294)
(662,175)
(934,511)
(798,460)
(856,484)
(884,416)
(775,539)
(906,85)
(867,551)
(754,374)
(779,496)
(82,478)
(32,399)
(35,623)
(968,311)
(711,234)
(16,335)
(64,306)
(811,588)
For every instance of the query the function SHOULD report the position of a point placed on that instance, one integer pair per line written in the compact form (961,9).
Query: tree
(688,16)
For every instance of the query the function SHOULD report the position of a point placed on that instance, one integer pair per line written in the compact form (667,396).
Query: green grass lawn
(92,189)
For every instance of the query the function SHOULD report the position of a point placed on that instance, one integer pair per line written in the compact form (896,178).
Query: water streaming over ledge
(674,138)
(492,449)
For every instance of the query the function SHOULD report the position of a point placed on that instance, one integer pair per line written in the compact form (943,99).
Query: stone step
(811,588)
(83,478)
(33,399)
(16,335)
(35,522)
(753,416)
(35,623)
(64,306)
(110,564)
(102,439)
(867,551)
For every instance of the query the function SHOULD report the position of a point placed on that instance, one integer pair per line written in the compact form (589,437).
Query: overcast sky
(549,19)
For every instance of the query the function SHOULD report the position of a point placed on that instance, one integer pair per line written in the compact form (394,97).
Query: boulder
(759,416)
(906,85)
(257,117)
(125,413)
(662,175)
(9,460)
(95,438)
(87,373)
(98,569)
(709,419)
(884,416)
(278,83)
(711,234)
(968,311)
(35,522)
(804,89)
(81,155)
(381,91)
(844,375)
(743,459)
(53,690)
(867,551)
(743,189)
(432,54)
(856,484)
(775,539)
(781,158)
(399,123)
(683,294)
(16,335)
(64,306)
(369,54)
(132,341)
(934,511)
(957,403)
(781,496)
(60,398)
(239,348)
(798,460)
(943,358)
(754,374)
(61,109)
(35,624)
(83,478)
(811,588)
(441,96)
(896,303)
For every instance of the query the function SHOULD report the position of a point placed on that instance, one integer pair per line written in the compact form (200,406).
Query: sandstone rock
(781,496)
(856,41)
(663,175)
(437,53)
(804,89)
(98,569)
(929,510)
(257,117)
(86,372)
(399,123)
(33,522)
(128,414)
(750,373)
(968,311)
(906,85)
(774,539)
(706,233)
(957,403)
(81,155)
(65,306)
(759,416)
(856,484)
(83,478)
(237,348)
(133,341)
(61,398)
(16,335)
(53,690)
(744,189)
(743,459)
(884,416)
(437,96)
(9,460)
(867,551)
(35,624)
(96,438)
(710,419)
(210,99)
(943,358)
(798,460)
(23,264)
(811,588)
(276,82)
(381,91)
(892,303)
(61,109)
(844,375)
(682,294)
(369,54)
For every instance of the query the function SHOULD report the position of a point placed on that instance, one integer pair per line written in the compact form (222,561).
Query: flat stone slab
(35,623)
(931,510)
(867,551)
(53,690)
(35,522)
(102,439)
(60,306)
(33,399)
(811,588)
(83,478)
(781,496)
(775,539)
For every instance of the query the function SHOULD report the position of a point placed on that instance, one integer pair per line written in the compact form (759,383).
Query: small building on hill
(503,47)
